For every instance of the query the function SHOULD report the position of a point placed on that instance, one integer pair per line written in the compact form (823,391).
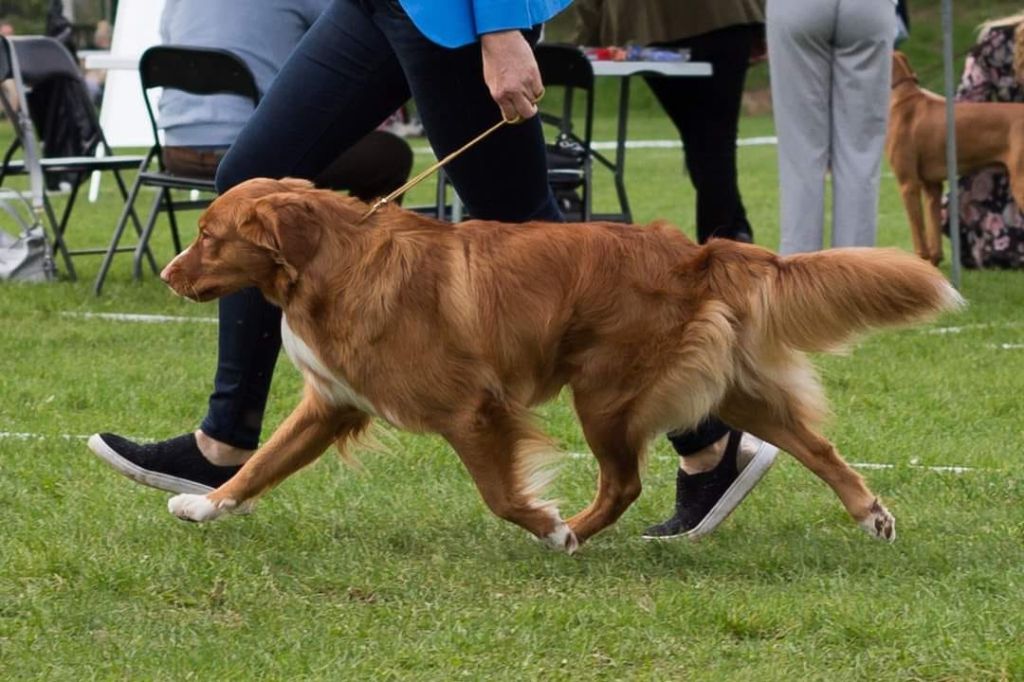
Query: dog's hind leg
(933,222)
(618,457)
(300,439)
(782,421)
(507,458)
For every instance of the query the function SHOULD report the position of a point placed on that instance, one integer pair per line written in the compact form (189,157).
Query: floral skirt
(991,224)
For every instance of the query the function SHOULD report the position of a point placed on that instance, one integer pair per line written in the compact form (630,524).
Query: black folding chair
(569,156)
(196,70)
(36,66)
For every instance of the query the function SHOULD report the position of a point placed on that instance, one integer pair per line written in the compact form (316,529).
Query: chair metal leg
(135,218)
(58,237)
(171,216)
(122,223)
(163,194)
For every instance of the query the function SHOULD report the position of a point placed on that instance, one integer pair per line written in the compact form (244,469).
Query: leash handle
(437,165)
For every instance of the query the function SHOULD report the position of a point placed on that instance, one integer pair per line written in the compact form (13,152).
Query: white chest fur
(327,383)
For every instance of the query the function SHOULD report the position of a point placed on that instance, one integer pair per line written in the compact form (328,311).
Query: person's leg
(373,167)
(861,73)
(799,56)
(706,113)
(504,177)
(337,85)
(718,467)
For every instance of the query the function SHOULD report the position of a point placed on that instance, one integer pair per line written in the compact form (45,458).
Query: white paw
(880,523)
(562,539)
(198,507)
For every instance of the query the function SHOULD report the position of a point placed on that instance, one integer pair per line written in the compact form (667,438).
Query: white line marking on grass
(940,469)
(607,145)
(862,465)
(135,317)
(970,327)
(23,435)
(1006,346)
(18,435)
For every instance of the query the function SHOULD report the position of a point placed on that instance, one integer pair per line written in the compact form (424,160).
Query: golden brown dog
(460,329)
(987,133)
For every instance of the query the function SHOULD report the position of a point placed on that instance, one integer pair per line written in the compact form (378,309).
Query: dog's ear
(288,225)
(900,61)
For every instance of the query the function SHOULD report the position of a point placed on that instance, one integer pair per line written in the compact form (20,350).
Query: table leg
(620,150)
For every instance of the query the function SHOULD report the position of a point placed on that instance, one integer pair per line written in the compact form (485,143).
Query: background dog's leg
(933,235)
(780,423)
(911,195)
(504,453)
(618,482)
(300,439)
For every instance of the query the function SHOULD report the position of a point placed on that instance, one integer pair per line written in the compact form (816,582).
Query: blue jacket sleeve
(501,15)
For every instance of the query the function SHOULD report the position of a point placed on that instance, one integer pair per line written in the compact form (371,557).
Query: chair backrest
(42,59)
(195,70)
(566,66)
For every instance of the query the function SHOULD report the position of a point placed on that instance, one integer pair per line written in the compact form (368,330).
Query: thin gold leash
(420,177)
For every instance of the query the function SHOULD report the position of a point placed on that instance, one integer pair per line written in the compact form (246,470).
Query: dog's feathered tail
(821,301)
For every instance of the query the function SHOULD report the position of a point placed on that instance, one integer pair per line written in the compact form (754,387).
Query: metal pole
(954,195)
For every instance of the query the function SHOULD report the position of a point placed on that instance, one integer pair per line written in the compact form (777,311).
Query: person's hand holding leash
(511,74)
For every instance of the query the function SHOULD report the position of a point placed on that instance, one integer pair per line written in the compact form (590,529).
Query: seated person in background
(199,129)
(991,223)
(95,79)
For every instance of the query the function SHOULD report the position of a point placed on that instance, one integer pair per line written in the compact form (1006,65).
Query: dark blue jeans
(357,64)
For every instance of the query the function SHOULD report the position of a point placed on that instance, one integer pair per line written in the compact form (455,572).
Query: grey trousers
(830,63)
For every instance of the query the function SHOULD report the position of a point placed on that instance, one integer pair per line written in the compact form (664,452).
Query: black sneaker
(174,465)
(704,500)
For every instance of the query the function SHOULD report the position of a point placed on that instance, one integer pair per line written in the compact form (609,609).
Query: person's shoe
(744,236)
(704,500)
(176,465)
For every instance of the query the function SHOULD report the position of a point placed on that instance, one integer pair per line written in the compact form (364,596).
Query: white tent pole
(954,194)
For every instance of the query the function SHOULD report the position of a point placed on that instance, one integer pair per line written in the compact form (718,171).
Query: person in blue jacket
(467,64)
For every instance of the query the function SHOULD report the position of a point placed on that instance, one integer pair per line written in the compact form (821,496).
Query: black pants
(357,64)
(706,112)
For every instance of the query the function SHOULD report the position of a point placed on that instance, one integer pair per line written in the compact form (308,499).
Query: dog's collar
(906,79)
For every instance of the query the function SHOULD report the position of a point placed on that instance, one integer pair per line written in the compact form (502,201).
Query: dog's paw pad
(880,523)
(562,539)
(198,507)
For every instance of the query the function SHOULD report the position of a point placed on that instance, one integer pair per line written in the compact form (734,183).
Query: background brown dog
(459,329)
(986,133)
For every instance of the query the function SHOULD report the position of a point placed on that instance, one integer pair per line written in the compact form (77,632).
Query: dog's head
(901,70)
(261,233)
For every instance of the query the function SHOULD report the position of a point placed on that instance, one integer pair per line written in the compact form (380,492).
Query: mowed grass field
(395,569)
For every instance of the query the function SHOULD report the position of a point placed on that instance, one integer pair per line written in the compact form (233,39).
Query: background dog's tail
(821,301)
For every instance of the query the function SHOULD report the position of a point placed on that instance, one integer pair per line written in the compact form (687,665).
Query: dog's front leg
(300,439)
(933,235)
(911,194)
(505,455)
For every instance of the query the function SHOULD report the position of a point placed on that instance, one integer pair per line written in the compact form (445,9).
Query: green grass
(397,571)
